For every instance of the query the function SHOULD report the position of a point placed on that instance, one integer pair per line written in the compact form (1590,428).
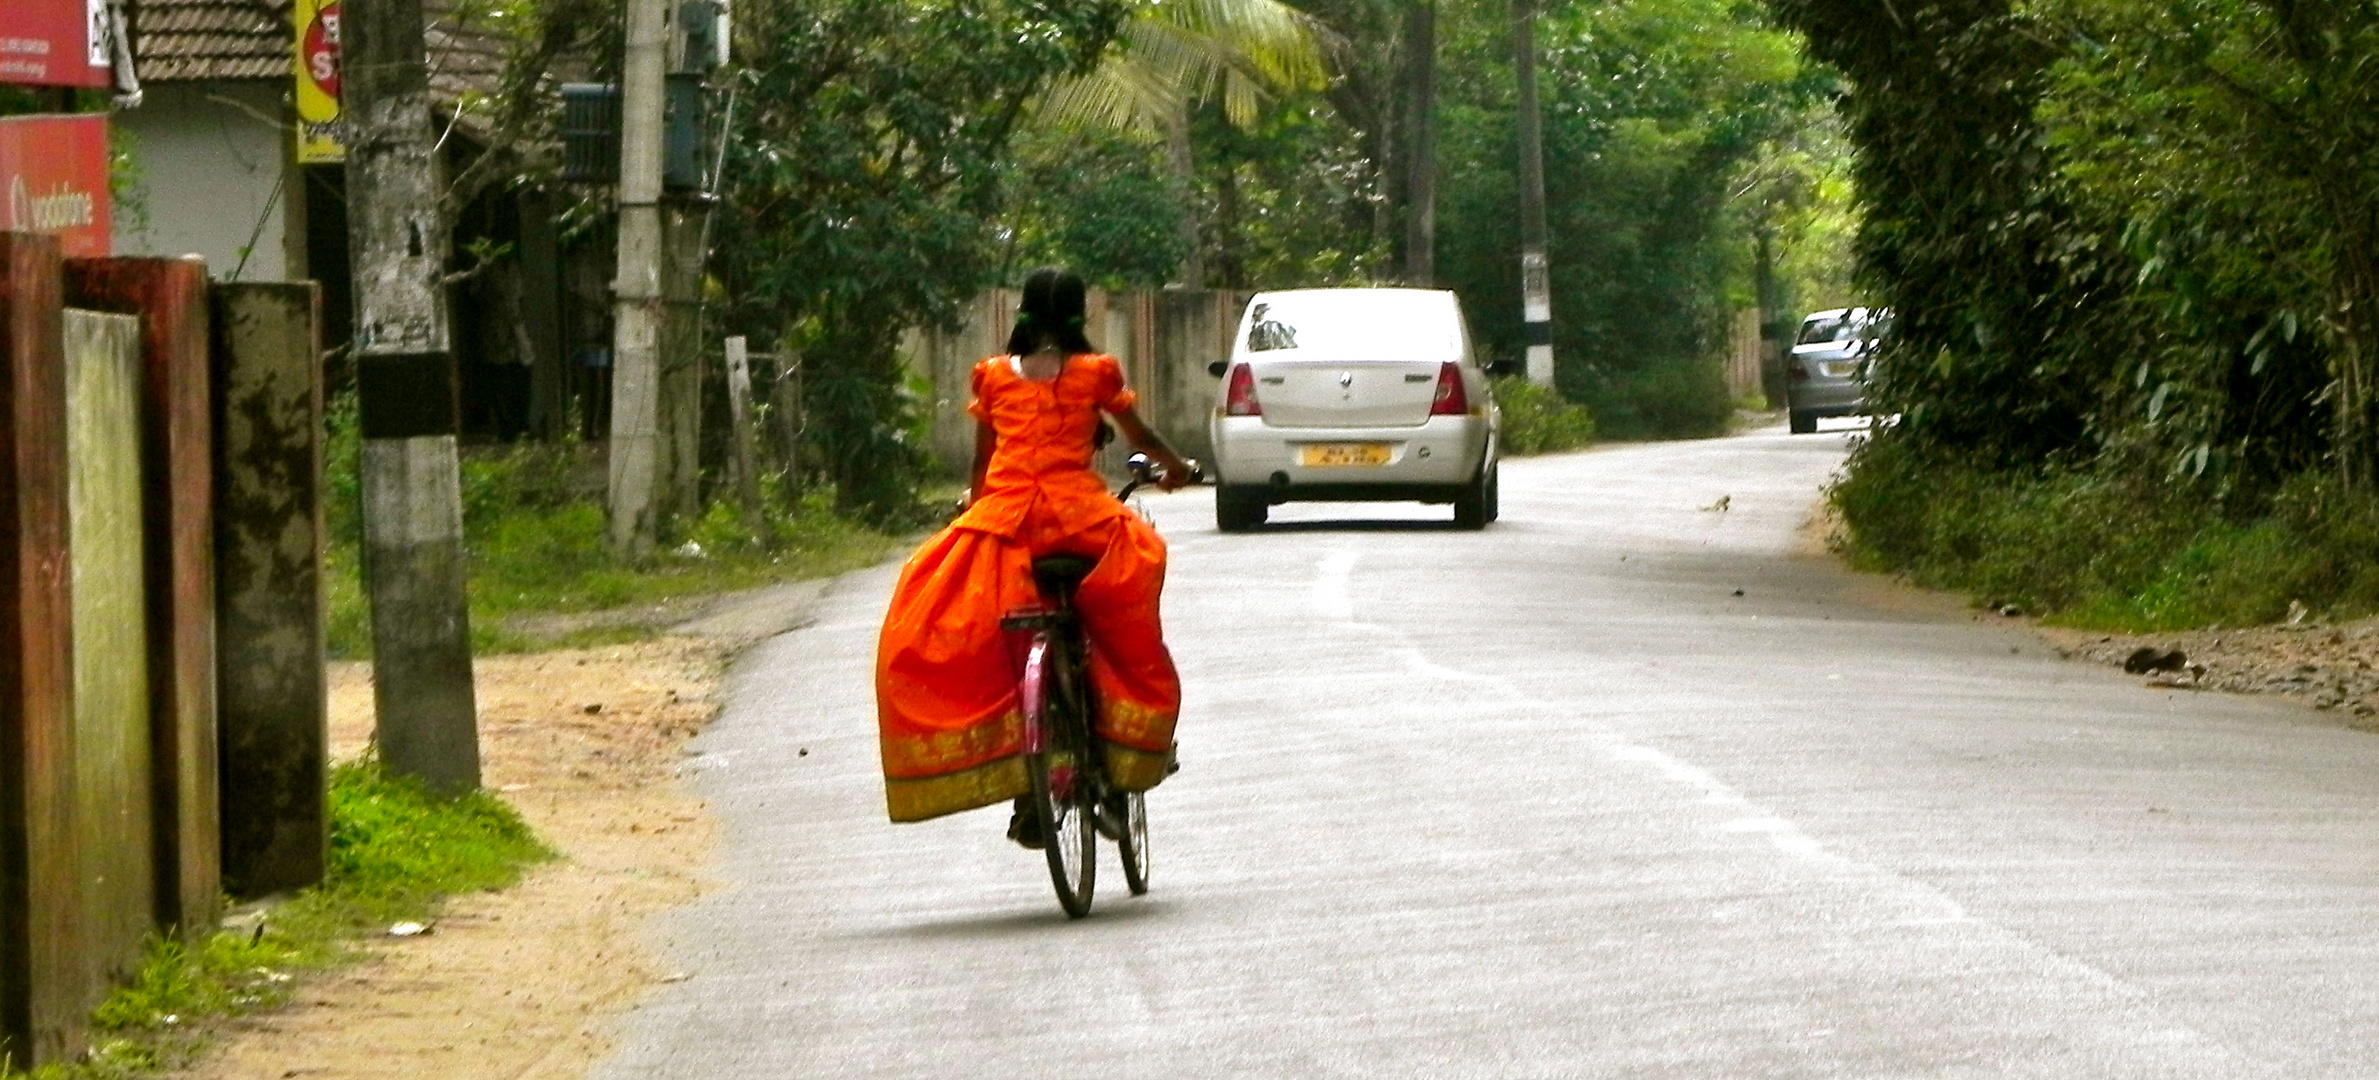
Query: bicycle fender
(1032,692)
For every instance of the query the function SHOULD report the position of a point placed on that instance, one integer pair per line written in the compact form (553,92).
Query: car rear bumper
(1431,462)
(1827,397)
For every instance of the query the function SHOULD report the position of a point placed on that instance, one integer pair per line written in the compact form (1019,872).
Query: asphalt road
(1554,800)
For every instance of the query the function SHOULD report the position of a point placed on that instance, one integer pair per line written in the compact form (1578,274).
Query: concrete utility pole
(404,371)
(1536,290)
(637,297)
(1420,154)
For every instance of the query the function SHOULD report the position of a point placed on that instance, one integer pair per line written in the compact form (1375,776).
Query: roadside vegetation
(1538,420)
(534,521)
(396,852)
(2136,345)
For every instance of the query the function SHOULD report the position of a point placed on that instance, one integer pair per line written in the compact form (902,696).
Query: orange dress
(946,706)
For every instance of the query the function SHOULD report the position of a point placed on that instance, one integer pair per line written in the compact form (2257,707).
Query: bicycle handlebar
(1144,472)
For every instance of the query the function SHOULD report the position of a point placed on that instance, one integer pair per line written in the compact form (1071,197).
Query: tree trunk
(1420,143)
(1184,162)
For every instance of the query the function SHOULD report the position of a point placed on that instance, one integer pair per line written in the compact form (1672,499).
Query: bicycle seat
(1057,575)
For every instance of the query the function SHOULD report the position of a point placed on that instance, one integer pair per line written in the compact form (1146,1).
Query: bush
(2101,548)
(1538,420)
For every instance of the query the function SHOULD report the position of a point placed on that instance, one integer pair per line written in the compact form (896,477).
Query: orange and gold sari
(946,705)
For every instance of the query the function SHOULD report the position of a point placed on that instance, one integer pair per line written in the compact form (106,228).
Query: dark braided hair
(1052,311)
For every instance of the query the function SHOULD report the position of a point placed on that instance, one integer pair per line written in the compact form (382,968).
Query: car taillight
(1797,371)
(1240,399)
(1451,399)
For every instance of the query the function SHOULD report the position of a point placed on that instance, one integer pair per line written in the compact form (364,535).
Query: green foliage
(534,525)
(863,186)
(1538,420)
(1285,200)
(2129,245)
(1097,203)
(2109,552)
(396,852)
(1651,111)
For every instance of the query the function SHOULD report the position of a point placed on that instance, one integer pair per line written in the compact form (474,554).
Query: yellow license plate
(1327,455)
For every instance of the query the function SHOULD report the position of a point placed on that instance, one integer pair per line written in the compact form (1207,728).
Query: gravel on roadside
(2329,666)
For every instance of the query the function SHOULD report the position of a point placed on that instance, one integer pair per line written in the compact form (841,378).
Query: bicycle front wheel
(1066,833)
(1132,844)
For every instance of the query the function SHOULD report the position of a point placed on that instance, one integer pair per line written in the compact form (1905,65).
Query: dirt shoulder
(521,983)
(2326,666)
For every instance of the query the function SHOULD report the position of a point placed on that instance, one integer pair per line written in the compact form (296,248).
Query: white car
(1353,395)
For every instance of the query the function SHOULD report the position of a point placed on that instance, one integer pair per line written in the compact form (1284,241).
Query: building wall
(211,156)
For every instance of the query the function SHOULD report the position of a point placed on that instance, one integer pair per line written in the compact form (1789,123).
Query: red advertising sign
(53,179)
(54,42)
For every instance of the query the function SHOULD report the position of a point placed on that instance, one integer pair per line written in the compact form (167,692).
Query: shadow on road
(1123,911)
(1356,525)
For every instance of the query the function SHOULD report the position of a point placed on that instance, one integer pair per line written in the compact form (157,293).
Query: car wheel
(1237,509)
(1803,422)
(1475,507)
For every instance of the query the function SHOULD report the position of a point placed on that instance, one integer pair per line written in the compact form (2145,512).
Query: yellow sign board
(319,129)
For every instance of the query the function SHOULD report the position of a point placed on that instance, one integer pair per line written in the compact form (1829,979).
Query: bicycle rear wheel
(1066,833)
(1132,845)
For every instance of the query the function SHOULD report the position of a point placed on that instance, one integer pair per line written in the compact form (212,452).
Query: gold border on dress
(1136,770)
(933,796)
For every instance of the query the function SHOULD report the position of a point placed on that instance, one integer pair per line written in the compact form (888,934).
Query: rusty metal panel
(44,984)
(113,825)
(170,296)
(272,700)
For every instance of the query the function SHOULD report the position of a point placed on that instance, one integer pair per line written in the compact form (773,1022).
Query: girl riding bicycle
(952,728)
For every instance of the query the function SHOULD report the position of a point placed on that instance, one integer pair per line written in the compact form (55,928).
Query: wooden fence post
(739,436)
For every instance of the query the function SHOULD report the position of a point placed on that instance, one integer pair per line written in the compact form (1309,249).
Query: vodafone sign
(54,42)
(53,179)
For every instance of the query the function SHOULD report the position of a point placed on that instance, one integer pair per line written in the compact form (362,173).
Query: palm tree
(1175,54)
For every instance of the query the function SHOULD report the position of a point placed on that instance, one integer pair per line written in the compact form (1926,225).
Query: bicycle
(1070,792)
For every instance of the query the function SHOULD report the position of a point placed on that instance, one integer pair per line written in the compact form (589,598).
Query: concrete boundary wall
(114,819)
(275,718)
(170,297)
(44,987)
(1164,339)
(108,615)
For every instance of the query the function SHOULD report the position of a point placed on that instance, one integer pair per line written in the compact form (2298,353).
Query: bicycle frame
(1061,743)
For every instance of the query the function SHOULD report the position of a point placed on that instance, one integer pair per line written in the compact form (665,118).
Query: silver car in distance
(1353,395)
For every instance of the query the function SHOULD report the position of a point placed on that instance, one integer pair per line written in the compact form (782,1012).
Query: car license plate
(1330,455)
(1840,369)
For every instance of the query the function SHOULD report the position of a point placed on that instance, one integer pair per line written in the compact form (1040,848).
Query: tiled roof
(190,40)
(194,40)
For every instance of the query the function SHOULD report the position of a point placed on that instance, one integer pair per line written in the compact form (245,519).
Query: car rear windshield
(1827,328)
(1342,323)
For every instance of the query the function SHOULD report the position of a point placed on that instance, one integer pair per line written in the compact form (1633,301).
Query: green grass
(2105,550)
(396,852)
(534,526)
(1538,420)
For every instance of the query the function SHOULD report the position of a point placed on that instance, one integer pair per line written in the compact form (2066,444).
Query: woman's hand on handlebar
(1173,473)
